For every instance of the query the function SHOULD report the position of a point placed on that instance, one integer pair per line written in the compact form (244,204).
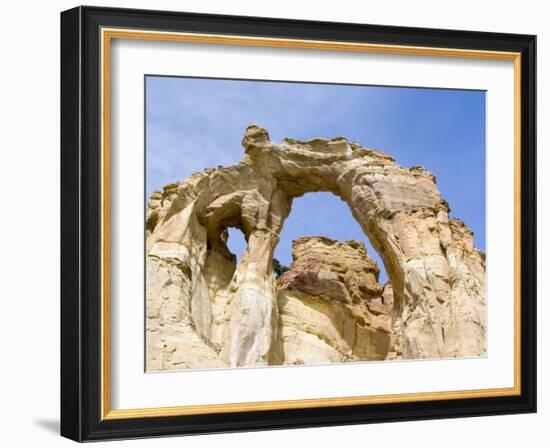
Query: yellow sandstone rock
(205,311)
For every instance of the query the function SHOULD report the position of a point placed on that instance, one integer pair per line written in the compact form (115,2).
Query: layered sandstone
(204,310)
(331,306)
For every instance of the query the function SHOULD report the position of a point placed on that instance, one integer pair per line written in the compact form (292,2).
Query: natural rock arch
(199,302)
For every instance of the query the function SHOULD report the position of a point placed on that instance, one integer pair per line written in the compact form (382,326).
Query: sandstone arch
(200,302)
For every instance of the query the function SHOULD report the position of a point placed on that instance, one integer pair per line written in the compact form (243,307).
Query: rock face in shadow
(204,310)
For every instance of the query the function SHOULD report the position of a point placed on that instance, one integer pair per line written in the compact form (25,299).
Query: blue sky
(192,124)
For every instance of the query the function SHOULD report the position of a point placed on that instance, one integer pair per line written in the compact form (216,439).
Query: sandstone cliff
(205,311)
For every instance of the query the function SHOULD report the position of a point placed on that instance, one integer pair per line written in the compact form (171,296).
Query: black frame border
(81,223)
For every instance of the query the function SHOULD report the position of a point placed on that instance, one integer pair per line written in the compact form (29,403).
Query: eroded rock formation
(204,310)
(331,306)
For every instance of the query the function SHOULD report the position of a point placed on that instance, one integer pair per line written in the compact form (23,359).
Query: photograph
(300,223)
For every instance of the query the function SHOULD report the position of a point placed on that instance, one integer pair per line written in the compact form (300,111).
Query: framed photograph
(273,223)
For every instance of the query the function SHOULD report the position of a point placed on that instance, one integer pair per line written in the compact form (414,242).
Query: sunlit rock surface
(331,305)
(205,311)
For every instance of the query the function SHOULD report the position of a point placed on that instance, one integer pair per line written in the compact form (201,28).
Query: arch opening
(236,242)
(323,214)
